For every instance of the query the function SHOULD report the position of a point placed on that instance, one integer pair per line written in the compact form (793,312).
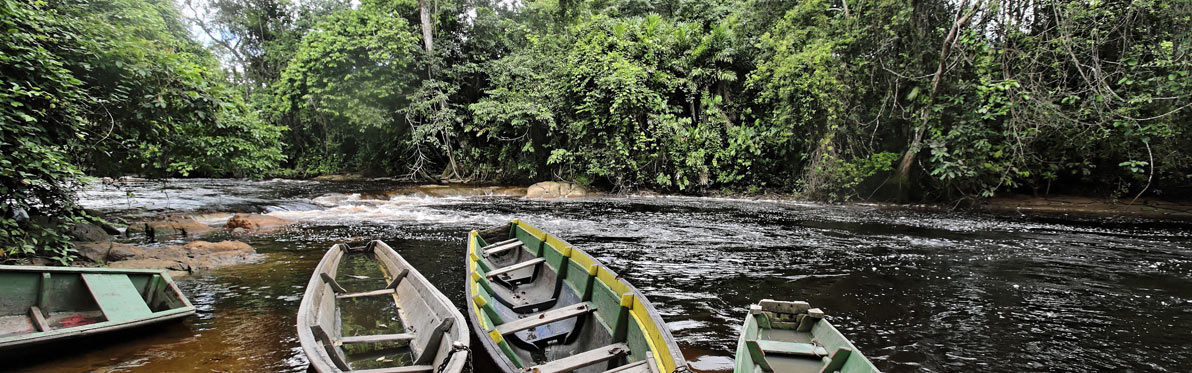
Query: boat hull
(434,328)
(546,305)
(46,304)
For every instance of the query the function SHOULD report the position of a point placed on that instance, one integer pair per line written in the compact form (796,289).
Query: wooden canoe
(538,304)
(434,330)
(792,337)
(43,304)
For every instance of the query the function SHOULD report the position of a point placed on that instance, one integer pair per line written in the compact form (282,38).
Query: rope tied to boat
(456,347)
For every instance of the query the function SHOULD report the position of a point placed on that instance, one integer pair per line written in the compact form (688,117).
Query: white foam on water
(354,208)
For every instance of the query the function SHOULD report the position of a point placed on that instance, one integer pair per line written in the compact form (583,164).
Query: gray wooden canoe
(540,305)
(43,304)
(434,330)
(792,337)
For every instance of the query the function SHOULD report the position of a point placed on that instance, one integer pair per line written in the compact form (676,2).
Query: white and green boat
(792,337)
(540,305)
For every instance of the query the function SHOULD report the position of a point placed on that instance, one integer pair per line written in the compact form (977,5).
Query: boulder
(206,255)
(554,189)
(345,177)
(93,251)
(256,222)
(170,226)
(195,255)
(89,232)
(150,264)
(120,252)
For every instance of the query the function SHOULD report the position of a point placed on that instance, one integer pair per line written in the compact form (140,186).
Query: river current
(914,290)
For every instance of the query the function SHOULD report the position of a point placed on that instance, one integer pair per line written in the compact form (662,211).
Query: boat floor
(789,363)
(364,316)
(23,324)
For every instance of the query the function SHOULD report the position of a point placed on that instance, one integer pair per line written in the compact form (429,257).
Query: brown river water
(915,291)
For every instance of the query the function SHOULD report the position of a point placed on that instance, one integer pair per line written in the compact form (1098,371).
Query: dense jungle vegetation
(937,100)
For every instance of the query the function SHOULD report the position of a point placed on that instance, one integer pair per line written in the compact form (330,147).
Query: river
(914,290)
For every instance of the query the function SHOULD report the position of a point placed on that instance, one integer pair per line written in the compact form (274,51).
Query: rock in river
(256,222)
(554,189)
(192,256)
(170,226)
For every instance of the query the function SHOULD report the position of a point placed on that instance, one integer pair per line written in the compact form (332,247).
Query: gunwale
(663,350)
(20,340)
(320,360)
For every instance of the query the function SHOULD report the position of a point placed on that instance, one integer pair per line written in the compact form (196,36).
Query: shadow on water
(915,291)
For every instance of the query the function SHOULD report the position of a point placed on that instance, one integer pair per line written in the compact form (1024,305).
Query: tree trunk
(427,32)
(908,159)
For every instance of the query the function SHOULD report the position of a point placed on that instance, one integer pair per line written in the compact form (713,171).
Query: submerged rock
(554,189)
(256,222)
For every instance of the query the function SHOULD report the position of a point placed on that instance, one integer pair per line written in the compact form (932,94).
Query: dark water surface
(914,291)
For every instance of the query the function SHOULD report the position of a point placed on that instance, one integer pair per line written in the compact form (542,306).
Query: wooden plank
(543,318)
(497,244)
(366,294)
(838,358)
(514,267)
(792,348)
(43,294)
(582,359)
(332,351)
(778,306)
(405,369)
(758,356)
(502,248)
(117,297)
(151,289)
(39,320)
(397,279)
(335,288)
(378,338)
(426,355)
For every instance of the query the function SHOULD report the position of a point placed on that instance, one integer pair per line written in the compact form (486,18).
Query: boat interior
(793,337)
(372,314)
(44,301)
(552,308)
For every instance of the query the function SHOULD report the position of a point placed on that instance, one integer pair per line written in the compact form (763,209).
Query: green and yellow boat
(44,304)
(792,337)
(541,305)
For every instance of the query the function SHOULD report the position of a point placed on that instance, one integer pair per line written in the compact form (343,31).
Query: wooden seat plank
(39,320)
(366,294)
(377,338)
(116,296)
(496,244)
(405,369)
(792,348)
(543,318)
(502,248)
(514,267)
(583,359)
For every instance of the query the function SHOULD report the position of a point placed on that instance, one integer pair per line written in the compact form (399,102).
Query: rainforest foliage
(830,99)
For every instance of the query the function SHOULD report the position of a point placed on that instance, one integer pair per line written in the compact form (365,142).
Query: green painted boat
(540,305)
(44,304)
(434,333)
(792,337)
